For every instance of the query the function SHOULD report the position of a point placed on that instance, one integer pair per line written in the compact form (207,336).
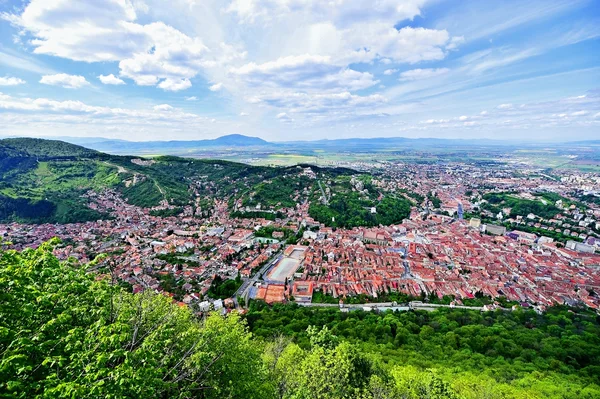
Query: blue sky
(300,69)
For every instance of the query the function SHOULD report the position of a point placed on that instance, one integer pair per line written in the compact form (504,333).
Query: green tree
(65,334)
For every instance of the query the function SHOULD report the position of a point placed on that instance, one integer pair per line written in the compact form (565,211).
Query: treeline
(65,333)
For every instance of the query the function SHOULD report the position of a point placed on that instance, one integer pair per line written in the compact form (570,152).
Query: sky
(300,69)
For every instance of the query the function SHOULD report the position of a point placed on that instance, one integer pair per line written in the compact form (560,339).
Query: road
(411,305)
(325,200)
(244,289)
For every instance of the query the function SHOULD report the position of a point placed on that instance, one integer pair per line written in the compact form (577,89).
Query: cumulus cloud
(216,87)
(11,81)
(93,31)
(163,107)
(390,71)
(505,106)
(407,45)
(244,114)
(418,74)
(111,80)
(65,80)
(192,98)
(175,84)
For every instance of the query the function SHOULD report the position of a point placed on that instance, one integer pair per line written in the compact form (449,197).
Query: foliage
(64,334)
(351,209)
(434,200)
(280,192)
(519,206)
(560,346)
(221,289)
(257,214)
(166,212)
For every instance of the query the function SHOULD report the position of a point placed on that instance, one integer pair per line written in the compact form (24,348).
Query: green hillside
(44,181)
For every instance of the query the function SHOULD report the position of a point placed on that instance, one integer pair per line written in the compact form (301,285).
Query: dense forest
(66,333)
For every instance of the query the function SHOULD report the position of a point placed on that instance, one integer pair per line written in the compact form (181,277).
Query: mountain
(236,140)
(185,147)
(116,146)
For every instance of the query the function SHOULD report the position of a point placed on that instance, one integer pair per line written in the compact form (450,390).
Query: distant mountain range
(239,141)
(161,147)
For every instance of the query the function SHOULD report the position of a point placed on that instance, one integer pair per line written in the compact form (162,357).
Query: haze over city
(300,69)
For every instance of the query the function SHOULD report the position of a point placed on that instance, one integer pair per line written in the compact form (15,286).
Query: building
(495,230)
(474,222)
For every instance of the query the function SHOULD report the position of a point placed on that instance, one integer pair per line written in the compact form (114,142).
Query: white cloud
(163,107)
(11,81)
(321,103)
(563,113)
(407,45)
(390,71)
(579,113)
(47,117)
(65,80)
(93,31)
(305,72)
(171,55)
(192,98)
(418,74)
(368,41)
(244,114)
(111,80)
(284,117)
(216,87)
(175,84)
(341,12)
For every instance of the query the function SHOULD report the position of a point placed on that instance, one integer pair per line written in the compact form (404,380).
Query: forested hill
(30,147)
(45,181)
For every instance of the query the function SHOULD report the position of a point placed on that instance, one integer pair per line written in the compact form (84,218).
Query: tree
(64,334)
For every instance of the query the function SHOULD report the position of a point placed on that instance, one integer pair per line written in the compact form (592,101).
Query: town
(461,244)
